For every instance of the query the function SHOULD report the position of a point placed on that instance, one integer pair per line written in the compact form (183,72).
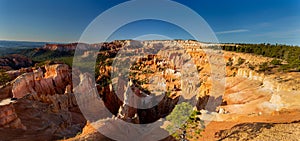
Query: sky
(232,21)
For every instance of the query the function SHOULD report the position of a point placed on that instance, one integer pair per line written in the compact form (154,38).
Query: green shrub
(179,116)
(147,72)
(168,93)
(230,62)
(104,81)
(240,61)
(4,77)
(264,66)
(251,67)
(276,62)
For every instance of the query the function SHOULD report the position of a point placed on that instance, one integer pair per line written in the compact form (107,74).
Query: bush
(251,67)
(104,81)
(147,72)
(4,77)
(230,62)
(168,93)
(276,62)
(264,66)
(240,61)
(179,116)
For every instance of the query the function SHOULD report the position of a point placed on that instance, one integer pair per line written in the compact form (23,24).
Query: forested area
(291,54)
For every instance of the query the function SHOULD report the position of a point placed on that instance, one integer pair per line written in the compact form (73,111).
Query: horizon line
(68,42)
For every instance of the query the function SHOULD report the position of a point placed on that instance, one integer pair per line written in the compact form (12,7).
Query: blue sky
(246,21)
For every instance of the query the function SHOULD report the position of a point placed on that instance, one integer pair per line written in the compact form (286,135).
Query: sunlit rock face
(248,91)
(54,81)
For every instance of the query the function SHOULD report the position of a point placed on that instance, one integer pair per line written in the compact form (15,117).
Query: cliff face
(65,47)
(248,91)
(274,82)
(45,105)
(110,124)
(54,81)
(9,118)
(114,102)
(52,87)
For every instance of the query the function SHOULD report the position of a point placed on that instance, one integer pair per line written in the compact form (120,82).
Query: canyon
(52,103)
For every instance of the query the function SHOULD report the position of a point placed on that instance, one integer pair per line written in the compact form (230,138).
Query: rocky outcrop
(9,118)
(274,82)
(44,105)
(45,121)
(5,91)
(110,99)
(250,74)
(54,81)
(119,101)
(14,62)
(58,101)
(13,74)
(66,47)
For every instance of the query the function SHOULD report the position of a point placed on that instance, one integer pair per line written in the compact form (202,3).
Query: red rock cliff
(54,81)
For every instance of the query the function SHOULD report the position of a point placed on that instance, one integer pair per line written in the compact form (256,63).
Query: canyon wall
(54,81)
(52,88)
